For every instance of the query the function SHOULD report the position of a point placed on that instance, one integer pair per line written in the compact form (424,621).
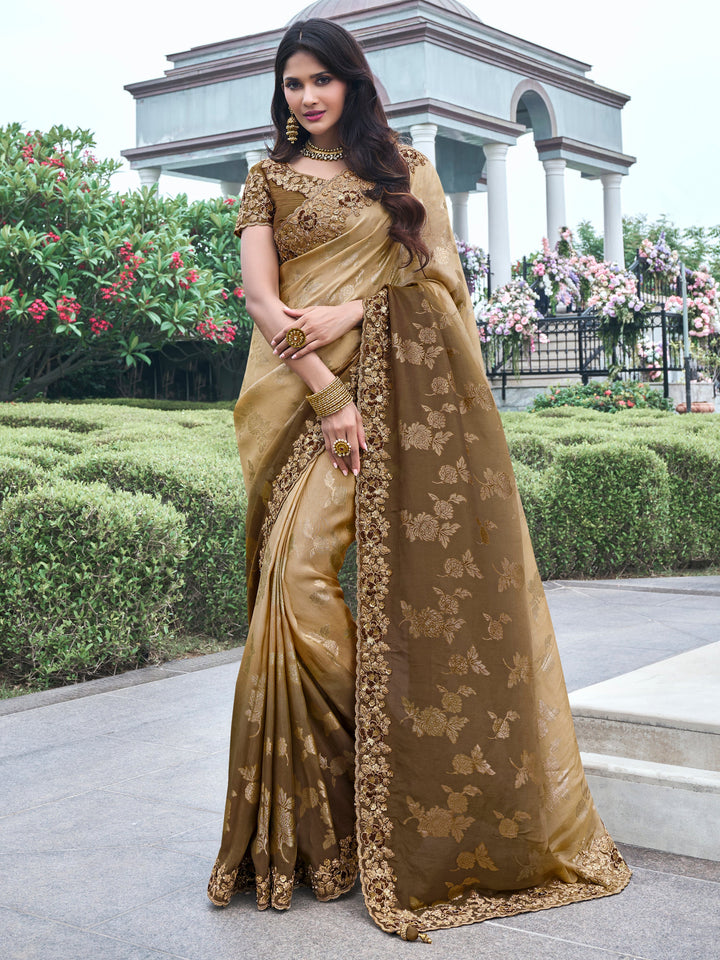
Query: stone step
(650,742)
(666,712)
(648,739)
(662,806)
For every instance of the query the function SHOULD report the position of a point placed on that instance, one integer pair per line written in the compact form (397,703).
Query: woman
(433,743)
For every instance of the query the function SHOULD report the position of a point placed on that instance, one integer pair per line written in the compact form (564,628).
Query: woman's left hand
(321,325)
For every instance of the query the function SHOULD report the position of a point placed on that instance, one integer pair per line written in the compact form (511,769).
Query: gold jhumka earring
(292,128)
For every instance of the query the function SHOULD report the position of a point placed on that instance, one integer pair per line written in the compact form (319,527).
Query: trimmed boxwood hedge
(207,490)
(601,508)
(638,492)
(89,579)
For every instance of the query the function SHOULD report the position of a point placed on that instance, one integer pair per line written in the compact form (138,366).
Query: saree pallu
(458,790)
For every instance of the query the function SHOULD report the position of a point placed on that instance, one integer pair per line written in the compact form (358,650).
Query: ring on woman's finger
(295,337)
(341,447)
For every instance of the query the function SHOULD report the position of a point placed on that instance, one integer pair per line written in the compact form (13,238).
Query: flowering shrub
(608,396)
(474,265)
(509,320)
(89,278)
(703,306)
(659,259)
(223,332)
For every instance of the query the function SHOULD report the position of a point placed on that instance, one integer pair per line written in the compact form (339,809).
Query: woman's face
(315,96)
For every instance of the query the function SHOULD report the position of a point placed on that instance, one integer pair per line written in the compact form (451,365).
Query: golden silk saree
(430,745)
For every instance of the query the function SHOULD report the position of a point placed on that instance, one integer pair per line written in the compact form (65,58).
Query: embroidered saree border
(328,881)
(600,867)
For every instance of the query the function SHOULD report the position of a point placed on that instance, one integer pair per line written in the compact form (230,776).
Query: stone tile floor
(112,796)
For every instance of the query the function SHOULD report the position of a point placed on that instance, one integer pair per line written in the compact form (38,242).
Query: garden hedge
(89,579)
(636,492)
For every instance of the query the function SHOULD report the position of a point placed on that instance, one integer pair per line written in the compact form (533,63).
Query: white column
(230,188)
(612,217)
(555,198)
(149,176)
(498,223)
(423,139)
(460,215)
(255,156)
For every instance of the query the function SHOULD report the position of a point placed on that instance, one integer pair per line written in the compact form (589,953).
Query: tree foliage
(90,278)
(697,246)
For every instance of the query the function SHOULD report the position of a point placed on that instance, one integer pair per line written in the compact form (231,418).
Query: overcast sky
(68,62)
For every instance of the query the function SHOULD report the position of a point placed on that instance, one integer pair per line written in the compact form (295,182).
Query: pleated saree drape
(432,744)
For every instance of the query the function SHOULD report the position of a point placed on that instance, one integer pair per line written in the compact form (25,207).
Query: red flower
(176,261)
(239,292)
(223,332)
(98,325)
(5,303)
(67,309)
(37,310)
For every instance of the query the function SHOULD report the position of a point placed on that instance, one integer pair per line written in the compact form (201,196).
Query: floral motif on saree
(455,667)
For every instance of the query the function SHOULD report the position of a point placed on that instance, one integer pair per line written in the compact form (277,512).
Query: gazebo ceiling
(331,9)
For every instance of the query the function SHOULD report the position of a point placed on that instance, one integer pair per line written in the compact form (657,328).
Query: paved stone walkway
(112,796)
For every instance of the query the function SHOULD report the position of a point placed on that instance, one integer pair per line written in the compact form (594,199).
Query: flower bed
(607,396)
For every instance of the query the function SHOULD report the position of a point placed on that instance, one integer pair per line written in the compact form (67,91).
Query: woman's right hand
(346,424)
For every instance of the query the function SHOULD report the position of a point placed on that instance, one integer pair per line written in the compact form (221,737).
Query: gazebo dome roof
(330,9)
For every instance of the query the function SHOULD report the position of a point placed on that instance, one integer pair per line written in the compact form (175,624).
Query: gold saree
(432,743)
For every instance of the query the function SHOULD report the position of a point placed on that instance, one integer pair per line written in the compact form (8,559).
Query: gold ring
(341,447)
(296,338)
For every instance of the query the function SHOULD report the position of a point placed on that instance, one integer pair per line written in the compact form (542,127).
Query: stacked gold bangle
(330,399)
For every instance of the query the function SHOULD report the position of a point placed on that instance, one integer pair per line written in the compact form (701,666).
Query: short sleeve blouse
(256,206)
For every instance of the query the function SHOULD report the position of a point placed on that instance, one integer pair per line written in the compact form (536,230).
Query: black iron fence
(574,347)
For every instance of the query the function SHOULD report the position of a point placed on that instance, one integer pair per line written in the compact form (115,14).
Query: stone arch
(532,106)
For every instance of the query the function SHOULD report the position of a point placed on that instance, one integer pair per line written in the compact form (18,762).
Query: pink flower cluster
(560,275)
(223,332)
(511,313)
(98,325)
(192,276)
(176,261)
(613,291)
(29,149)
(132,261)
(239,292)
(474,264)
(650,354)
(51,237)
(37,310)
(659,258)
(703,304)
(68,309)
(5,303)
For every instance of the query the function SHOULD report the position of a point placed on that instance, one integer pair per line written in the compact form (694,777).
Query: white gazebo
(461,90)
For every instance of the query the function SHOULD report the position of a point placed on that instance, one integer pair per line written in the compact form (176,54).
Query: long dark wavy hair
(370,147)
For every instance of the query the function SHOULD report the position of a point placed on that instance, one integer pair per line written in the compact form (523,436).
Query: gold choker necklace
(318,153)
